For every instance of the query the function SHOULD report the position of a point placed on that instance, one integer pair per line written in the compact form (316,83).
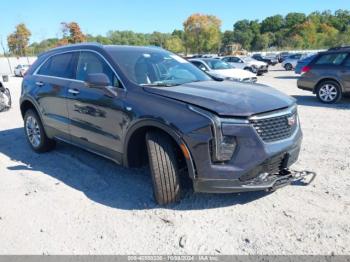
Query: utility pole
(5,54)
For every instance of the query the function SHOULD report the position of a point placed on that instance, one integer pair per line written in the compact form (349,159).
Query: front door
(97,115)
(53,80)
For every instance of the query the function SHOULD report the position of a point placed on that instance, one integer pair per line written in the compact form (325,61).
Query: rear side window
(91,63)
(331,59)
(347,62)
(59,66)
(199,65)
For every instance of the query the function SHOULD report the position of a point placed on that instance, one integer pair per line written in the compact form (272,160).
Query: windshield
(217,64)
(156,67)
(248,59)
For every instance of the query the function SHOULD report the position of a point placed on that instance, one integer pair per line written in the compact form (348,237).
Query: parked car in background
(328,75)
(247,63)
(20,70)
(291,61)
(303,62)
(269,61)
(160,110)
(220,69)
(282,56)
(5,98)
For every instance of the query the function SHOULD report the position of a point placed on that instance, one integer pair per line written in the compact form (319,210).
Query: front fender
(170,130)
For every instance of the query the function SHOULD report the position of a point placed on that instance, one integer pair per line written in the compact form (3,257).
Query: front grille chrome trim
(287,111)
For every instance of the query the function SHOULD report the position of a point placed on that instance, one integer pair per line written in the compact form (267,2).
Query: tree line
(202,34)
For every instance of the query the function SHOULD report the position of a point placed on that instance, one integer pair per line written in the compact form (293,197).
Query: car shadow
(102,180)
(287,77)
(311,100)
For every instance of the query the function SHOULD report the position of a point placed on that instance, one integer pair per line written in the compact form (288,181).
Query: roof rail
(339,47)
(71,45)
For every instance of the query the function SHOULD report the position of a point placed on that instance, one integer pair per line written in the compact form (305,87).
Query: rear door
(97,115)
(331,65)
(53,79)
(345,74)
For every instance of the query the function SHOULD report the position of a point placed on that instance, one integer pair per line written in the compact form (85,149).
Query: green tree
(272,24)
(202,33)
(227,38)
(18,41)
(343,38)
(294,19)
(243,34)
(174,44)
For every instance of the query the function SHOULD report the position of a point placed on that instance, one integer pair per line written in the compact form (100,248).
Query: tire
(164,168)
(329,92)
(288,67)
(8,94)
(249,69)
(33,127)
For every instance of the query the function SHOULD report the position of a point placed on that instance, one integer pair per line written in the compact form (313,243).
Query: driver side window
(200,65)
(91,63)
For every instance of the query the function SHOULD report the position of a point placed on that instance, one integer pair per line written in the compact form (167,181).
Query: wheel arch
(28,104)
(327,79)
(135,137)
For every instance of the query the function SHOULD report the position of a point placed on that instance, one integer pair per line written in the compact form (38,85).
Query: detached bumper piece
(284,178)
(264,182)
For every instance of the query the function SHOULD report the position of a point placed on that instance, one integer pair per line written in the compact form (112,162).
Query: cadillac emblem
(291,120)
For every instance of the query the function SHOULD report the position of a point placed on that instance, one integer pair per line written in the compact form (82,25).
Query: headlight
(223,146)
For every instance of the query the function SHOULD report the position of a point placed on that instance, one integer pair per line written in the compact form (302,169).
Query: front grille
(273,165)
(275,128)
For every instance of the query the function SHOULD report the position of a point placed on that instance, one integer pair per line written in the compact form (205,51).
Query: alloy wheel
(33,131)
(328,93)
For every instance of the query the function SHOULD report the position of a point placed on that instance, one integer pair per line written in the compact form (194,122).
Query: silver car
(247,63)
(221,69)
(291,61)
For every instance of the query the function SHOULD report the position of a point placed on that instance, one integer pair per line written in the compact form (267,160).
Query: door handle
(73,91)
(39,83)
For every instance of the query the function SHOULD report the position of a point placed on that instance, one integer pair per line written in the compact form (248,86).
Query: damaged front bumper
(264,182)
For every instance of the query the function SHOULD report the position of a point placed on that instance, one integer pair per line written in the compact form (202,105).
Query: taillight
(306,69)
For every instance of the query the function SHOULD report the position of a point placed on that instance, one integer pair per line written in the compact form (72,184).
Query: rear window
(347,62)
(331,59)
(59,66)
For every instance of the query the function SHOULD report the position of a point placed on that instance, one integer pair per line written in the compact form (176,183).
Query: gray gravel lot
(69,201)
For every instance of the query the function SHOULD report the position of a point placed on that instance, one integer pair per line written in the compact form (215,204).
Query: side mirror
(203,68)
(97,80)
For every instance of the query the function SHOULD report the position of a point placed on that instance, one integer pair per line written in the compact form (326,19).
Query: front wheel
(249,69)
(164,168)
(329,92)
(35,133)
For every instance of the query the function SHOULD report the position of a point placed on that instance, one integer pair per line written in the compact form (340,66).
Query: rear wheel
(329,92)
(288,67)
(164,168)
(35,133)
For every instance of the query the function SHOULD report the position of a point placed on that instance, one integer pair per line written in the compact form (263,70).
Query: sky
(43,17)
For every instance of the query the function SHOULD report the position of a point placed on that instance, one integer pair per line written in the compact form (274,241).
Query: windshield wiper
(161,84)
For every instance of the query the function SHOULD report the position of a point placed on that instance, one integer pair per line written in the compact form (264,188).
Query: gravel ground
(69,201)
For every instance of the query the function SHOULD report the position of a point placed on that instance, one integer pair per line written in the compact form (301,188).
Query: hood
(234,72)
(256,62)
(227,98)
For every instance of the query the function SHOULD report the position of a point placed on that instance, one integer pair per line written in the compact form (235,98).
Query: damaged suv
(140,105)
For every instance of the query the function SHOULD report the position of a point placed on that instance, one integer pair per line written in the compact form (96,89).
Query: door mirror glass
(97,80)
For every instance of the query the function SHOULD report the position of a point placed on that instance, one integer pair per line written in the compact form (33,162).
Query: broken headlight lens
(223,146)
